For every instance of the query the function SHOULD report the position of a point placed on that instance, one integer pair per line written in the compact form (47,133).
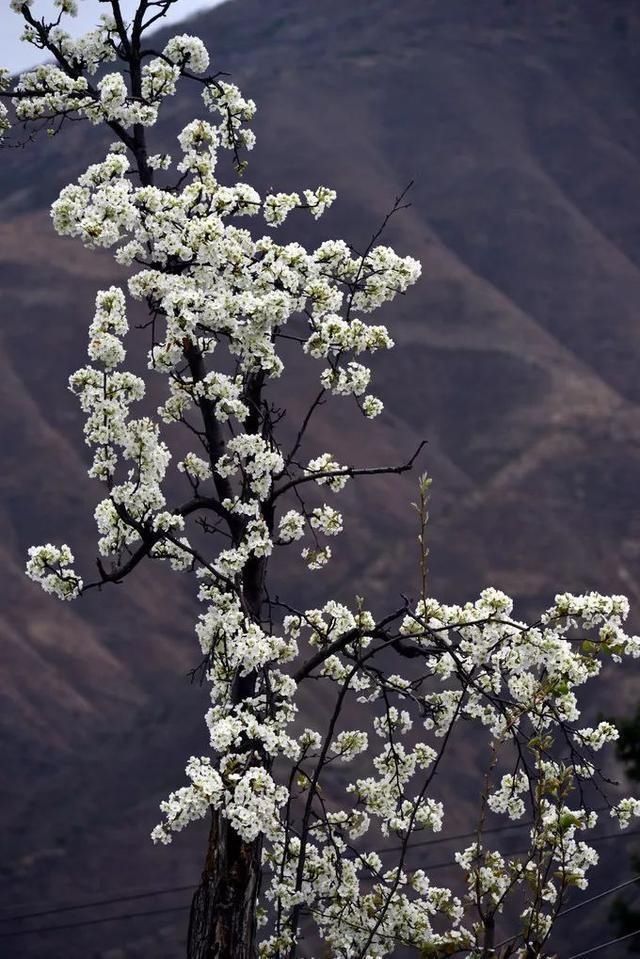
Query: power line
(172,889)
(53,910)
(600,895)
(521,852)
(579,905)
(473,835)
(92,922)
(96,902)
(603,945)
(464,835)
(174,909)
(65,904)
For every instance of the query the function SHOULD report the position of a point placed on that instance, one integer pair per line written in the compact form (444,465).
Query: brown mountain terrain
(517,357)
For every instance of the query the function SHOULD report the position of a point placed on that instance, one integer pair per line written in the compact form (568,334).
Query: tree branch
(340,642)
(350,472)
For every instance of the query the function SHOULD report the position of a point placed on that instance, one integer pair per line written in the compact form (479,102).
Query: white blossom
(50,567)
(325,519)
(625,811)
(291,526)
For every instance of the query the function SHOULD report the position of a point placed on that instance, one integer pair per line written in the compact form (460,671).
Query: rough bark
(222,924)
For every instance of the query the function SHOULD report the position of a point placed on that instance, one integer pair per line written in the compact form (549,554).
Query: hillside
(517,358)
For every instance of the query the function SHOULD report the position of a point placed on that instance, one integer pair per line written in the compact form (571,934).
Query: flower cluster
(49,566)
(5,124)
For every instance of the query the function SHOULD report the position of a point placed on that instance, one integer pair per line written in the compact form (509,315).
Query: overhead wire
(72,907)
(582,904)
(166,911)
(600,895)
(603,945)
(185,888)
(472,835)
(96,902)
(156,912)
(91,922)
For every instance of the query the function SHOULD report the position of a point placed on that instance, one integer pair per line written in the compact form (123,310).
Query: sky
(16,56)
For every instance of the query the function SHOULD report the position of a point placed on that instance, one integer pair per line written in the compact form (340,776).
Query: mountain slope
(516,357)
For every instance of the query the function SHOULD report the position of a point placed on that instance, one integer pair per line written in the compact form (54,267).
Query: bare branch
(344,640)
(348,471)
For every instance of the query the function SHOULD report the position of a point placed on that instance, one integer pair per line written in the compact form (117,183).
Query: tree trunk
(222,924)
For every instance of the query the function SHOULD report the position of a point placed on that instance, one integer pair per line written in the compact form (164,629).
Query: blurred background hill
(517,358)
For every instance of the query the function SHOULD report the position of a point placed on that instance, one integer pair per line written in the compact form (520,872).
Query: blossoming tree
(288,850)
